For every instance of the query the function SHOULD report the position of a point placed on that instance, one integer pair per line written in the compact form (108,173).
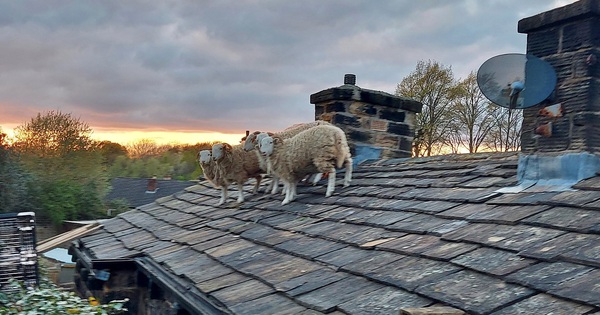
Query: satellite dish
(516,80)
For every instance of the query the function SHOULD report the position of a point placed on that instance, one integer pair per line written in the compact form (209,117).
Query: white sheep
(252,142)
(209,168)
(235,165)
(317,150)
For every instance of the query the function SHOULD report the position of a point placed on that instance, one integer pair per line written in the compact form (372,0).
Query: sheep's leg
(241,195)
(270,186)
(331,183)
(293,190)
(317,177)
(348,175)
(275,183)
(258,180)
(287,189)
(223,195)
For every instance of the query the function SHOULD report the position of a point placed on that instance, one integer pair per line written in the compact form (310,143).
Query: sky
(193,71)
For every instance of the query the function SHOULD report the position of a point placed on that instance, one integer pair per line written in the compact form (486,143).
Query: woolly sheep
(319,149)
(235,165)
(209,168)
(252,142)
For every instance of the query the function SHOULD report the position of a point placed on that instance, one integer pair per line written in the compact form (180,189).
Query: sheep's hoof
(328,194)
(285,202)
(220,203)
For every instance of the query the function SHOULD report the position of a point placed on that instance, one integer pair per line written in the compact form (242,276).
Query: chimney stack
(378,125)
(561,139)
(152,185)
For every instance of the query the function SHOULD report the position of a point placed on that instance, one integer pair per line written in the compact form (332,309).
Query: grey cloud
(232,65)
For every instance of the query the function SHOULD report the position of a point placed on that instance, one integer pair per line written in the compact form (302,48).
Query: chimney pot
(350,79)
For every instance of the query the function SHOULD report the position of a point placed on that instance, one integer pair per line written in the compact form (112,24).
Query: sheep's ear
(270,134)
(277,140)
(227,147)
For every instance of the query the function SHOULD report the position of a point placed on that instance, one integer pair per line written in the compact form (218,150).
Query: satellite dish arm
(515,90)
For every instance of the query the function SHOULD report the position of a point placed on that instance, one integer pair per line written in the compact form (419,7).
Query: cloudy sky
(228,66)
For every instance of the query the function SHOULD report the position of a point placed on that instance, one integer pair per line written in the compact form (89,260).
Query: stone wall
(569,39)
(378,124)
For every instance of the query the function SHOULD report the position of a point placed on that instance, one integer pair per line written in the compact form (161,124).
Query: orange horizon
(125,137)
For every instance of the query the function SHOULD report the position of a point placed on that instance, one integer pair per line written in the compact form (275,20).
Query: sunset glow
(125,137)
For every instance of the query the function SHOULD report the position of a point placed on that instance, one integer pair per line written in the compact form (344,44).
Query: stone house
(477,234)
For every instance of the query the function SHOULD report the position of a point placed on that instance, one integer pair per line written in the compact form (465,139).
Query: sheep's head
(259,138)
(205,156)
(219,150)
(268,144)
(250,141)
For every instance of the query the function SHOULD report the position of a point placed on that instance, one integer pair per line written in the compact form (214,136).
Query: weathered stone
(585,288)
(447,250)
(574,219)
(309,247)
(492,261)
(325,299)
(432,310)
(372,262)
(344,256)
(473,292)
(410,272)
(242,292)
(308,282)
(552,248)
(547,276)
(384,301)
(544,304)
(269,304)
(411,244)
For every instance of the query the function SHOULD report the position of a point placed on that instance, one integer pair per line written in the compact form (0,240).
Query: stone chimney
(563,138)
(378,125)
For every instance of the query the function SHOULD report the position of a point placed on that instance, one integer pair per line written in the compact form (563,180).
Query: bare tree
(472,120)
(505,134)
(434,86)
(143,148)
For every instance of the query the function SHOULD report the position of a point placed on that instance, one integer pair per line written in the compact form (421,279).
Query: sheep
(209,168)
(319,149)
(252,142)
(235,165)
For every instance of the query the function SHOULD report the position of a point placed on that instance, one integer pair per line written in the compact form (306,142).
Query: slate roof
(134,190)
(406,233)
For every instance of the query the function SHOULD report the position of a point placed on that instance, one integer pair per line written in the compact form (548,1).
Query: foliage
(15,182)
(111,151)
(70,179)
(176,161)
(48,299)
(434,86)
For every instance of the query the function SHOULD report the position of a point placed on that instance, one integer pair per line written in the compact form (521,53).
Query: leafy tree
(15,182)
(434,86)
(472,118)
(70,179)
(111,150)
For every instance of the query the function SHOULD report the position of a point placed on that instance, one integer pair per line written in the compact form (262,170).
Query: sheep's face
(266,146)
(205,156)
(259,138)
(250,141)
(217,151)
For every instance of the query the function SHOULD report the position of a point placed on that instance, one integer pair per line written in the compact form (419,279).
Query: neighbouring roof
(406,233)
(135,190)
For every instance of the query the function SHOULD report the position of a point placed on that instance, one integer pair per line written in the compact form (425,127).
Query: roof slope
(406,233)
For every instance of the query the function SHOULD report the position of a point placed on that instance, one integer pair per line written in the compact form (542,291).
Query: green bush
(48,299)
